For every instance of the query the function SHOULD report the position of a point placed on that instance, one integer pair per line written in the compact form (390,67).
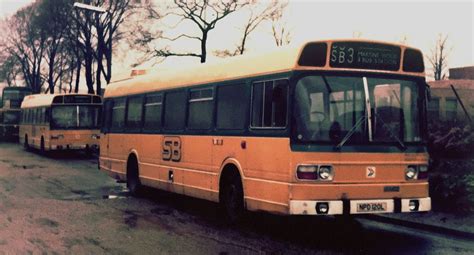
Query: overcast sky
(419,22)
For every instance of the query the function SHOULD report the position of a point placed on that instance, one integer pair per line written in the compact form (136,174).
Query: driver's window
(387,111)
(317,107)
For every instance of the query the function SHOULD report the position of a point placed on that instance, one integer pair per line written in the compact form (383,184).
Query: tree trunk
(51,73)
(78,75)
(88,61)
(203,46)
(100,56)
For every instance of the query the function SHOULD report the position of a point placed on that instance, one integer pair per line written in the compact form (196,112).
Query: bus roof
(37,100)
(284,59)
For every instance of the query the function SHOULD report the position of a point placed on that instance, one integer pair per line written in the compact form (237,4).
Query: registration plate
(372,207)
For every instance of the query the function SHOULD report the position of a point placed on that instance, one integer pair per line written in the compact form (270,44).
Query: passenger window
(107,116)
(232,101)
(46,115)
(269,104)
(175,110)
(134,112)
(118,114)
(201,106)
(153,107)
(36,116)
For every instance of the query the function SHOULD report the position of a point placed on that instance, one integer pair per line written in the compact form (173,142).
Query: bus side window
(35,116)
(43,115)
(47,112)
(152,112)
(175,110)
(118,115)
(232,101)
(134,113)
(201,109)
(269,104)
(107,116)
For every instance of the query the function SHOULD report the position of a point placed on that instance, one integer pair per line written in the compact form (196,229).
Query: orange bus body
(364,181)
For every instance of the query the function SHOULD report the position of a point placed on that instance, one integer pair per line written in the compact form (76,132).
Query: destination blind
(361,55)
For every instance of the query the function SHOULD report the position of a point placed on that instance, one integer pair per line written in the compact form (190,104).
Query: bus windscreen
(75,117)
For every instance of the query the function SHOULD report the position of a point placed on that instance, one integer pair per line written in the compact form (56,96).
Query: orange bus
(334,127)
(60,122)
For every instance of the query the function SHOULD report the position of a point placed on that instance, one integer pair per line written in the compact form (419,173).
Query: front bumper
(366,206)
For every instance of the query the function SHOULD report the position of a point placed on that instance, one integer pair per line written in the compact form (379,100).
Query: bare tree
(438,58)
(83,27)
(25,41)
(107,32)
(54,19)
(258,12)
(280,32)
(204,14)
(9,69)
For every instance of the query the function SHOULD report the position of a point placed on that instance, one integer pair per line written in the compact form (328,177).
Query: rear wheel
(42,149)
(26,145)
(133,181)
(232,197)
(88,151)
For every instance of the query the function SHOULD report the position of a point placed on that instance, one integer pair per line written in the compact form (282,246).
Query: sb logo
(171,148)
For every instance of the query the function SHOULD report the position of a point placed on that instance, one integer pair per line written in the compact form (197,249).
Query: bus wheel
(232,197)
(133,181)
(42,149)
(26,145)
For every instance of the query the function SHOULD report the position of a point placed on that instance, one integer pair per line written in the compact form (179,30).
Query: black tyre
(133,181)
(232,197)
(42,149)
(26,145)
(88,152)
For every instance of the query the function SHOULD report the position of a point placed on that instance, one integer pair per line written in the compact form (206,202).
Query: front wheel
(232,198)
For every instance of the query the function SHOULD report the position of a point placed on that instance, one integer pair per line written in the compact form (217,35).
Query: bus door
(231,121)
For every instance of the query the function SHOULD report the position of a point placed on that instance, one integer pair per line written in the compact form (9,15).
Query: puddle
(27,166)
(116,196)
(77,197)
(161,211)
(103,193)
(130,218)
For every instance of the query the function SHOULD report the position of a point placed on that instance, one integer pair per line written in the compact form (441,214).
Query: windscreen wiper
(351,132)
(392,135)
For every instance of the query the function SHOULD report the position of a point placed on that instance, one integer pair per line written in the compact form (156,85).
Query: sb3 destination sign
(361,55)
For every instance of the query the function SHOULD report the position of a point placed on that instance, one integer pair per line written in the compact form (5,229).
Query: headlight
(325,173)
(315,172)
(307,172)
(411,172)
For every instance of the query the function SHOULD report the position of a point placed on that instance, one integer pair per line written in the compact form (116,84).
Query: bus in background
(10,111)
(333,127)
(60,122)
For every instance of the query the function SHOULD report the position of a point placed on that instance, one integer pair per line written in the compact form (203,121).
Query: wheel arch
(229,166)
(132,158)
